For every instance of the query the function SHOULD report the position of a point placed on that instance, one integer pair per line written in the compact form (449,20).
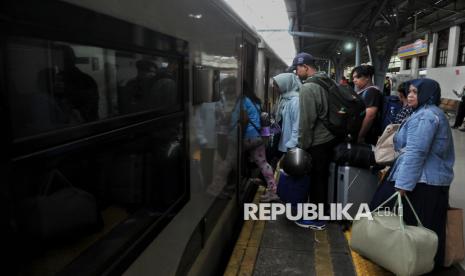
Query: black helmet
(296,162)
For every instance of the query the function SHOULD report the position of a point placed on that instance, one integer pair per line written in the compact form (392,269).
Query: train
(119,156)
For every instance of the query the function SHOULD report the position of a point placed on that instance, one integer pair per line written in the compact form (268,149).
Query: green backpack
(346,109)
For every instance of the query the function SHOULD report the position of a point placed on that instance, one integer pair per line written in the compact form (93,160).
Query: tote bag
(386,240)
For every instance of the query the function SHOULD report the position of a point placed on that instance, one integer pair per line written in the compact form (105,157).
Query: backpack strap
(250,121)
(320,82)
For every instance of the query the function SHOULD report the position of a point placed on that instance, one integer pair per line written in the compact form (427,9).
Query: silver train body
(121,156)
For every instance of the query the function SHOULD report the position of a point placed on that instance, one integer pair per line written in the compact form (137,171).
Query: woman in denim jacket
(424,169)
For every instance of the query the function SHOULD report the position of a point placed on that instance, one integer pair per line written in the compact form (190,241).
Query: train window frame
(28,22)
(44,139)
(65,24)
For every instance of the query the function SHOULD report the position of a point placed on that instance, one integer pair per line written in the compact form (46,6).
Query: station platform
(281,248)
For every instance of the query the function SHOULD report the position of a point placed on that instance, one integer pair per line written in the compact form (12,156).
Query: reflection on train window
(113,191)
(145,82)
(53,85)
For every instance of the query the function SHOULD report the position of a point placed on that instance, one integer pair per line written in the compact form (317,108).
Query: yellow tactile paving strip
(364,267)
(242,261)
(244,256)
(323,263)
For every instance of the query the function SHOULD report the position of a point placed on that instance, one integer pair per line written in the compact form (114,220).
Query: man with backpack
(314,137)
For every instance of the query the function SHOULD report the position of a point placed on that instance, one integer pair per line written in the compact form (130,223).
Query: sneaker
(312,224)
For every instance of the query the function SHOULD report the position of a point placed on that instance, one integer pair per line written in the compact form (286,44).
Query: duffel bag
(67,212)
(387,241)
(354,155)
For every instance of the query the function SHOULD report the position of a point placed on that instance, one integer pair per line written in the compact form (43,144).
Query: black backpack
(346,109)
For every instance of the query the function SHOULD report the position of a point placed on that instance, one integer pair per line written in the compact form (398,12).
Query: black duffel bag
(66,212)
(354,155)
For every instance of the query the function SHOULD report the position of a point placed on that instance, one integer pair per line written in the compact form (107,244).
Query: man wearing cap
(314,137)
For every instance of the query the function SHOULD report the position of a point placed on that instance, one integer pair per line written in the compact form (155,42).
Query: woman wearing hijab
(287,113)
(424,169)
(287,116)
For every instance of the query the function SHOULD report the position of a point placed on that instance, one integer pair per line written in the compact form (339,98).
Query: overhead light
(338,53)
(195,16)
(348,46)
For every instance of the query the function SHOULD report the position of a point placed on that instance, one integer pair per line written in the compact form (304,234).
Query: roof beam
(376,14)
(424,3)
(322,35)
(309,27)
(334,8)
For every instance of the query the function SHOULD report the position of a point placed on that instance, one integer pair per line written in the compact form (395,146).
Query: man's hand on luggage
(401,192)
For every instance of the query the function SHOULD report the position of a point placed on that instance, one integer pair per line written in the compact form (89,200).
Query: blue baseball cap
(302,58)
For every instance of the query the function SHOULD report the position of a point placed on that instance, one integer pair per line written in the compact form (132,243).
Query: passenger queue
(423,144)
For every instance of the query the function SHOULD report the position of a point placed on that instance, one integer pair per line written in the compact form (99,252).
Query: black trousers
(321,158)
(430,204)
(460,113)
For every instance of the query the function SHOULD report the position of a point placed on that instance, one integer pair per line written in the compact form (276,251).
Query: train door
(249,57)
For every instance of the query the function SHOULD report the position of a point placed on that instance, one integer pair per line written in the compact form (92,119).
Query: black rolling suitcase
(351,185)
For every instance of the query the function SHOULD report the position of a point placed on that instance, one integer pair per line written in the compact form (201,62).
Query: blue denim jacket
(427,150)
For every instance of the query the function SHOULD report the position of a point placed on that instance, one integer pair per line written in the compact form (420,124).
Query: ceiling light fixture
(195,16)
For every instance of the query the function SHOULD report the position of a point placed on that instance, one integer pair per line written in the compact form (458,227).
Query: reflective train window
(53,85)
(109,192)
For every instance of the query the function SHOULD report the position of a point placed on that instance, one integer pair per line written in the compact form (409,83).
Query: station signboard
(419,47)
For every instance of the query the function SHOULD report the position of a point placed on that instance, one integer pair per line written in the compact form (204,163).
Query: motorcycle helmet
(297,162)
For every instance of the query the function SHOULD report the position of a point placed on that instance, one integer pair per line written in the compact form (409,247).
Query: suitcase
(352,185)
(332,180)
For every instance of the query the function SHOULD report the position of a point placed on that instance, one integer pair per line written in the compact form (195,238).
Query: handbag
(67,212)
(454,251)
(386,240)
(385,153)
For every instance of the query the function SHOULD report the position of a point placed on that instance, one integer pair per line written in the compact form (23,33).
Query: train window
(53,84)
(108,193)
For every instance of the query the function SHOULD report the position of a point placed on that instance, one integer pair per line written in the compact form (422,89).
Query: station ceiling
(329,24)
